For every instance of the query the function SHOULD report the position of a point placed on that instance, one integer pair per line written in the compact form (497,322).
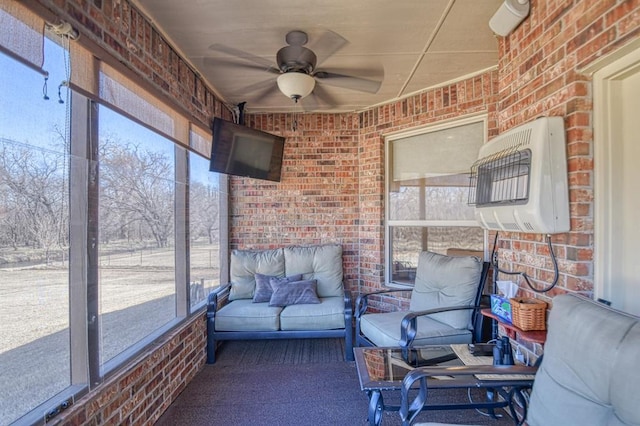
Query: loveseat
(283,293)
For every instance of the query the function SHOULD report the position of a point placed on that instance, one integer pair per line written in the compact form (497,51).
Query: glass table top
(380,367)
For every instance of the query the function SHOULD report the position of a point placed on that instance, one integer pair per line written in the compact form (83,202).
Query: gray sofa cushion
(244,315)
(327,315)
(293,293)
(446,281)
(625,385)
(321,263)
(384,330)
(245,264)
(589,374)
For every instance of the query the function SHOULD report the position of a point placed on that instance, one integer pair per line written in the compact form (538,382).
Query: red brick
(579,164)
(580,254)
(579,179)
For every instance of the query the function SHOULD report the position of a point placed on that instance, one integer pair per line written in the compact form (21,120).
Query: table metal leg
(492,397)
(517,396)
(376,407)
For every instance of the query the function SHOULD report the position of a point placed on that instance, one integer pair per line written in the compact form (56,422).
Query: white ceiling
(409,45)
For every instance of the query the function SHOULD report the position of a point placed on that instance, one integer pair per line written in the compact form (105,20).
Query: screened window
(137,278)
(96,224)
(34,238)
(427,195)
(206,191)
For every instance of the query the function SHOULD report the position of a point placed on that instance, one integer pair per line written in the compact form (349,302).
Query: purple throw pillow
(263,286)
(294,293)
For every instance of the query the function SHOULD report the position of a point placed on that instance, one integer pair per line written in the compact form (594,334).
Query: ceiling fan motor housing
(296,58)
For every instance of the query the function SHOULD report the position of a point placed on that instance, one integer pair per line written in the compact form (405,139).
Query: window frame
(389,223)
(86,371)
(223,227)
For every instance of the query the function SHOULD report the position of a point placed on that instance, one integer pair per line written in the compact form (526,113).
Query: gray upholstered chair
(589,374)
(443,308)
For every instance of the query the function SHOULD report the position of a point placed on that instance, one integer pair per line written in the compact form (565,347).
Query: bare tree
(34,191)
(203,211)
(137,189)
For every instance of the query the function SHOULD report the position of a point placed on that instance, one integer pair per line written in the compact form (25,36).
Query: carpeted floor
(291,382)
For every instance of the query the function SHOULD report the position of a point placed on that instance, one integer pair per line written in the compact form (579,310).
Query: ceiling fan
(297,68)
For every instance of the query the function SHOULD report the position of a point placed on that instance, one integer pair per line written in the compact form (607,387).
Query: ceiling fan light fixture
(296,85)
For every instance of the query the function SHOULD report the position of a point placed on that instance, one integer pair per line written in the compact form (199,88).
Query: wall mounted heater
(519,183)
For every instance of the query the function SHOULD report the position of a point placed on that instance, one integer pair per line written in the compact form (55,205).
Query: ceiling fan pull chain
(294,121)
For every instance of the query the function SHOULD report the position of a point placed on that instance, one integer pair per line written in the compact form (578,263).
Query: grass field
(137,296)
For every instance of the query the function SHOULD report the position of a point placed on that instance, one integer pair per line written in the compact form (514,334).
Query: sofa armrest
(348,306)
(409,324)
(215,298)
(362,302)
(348,326)
(410,409)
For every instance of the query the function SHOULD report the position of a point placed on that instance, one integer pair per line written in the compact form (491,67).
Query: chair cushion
(446,281)
(244,315)
(320,263)
(384,330)
(245,264)
(327,315)
(589,374)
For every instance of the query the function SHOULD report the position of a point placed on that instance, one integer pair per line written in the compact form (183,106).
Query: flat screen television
(242,151)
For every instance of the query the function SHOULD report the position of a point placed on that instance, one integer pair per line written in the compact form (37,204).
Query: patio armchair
(444,307)
(589,374)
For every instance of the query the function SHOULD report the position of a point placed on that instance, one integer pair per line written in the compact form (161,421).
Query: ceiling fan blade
(348,82)
(319,99)
(326,45)
(267,91)
(259,94)
(261,85)
(218,61)
(259,63)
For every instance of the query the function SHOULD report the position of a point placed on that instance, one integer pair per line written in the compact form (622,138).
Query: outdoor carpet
(301,382)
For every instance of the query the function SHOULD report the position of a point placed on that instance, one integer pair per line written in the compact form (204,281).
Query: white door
(617,182)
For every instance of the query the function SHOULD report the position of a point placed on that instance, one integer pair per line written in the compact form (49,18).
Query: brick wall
(539,75)
(316,201)
(332,187)
(144,389)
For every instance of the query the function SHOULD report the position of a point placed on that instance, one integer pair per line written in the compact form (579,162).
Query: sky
(26,117)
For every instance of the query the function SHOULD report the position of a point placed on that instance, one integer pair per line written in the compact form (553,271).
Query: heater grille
(502,178)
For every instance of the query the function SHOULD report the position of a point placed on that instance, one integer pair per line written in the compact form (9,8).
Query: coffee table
(383,368)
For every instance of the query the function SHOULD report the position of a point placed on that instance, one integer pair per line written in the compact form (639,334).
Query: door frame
(607,73)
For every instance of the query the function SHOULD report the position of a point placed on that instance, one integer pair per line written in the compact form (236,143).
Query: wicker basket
(529,314)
